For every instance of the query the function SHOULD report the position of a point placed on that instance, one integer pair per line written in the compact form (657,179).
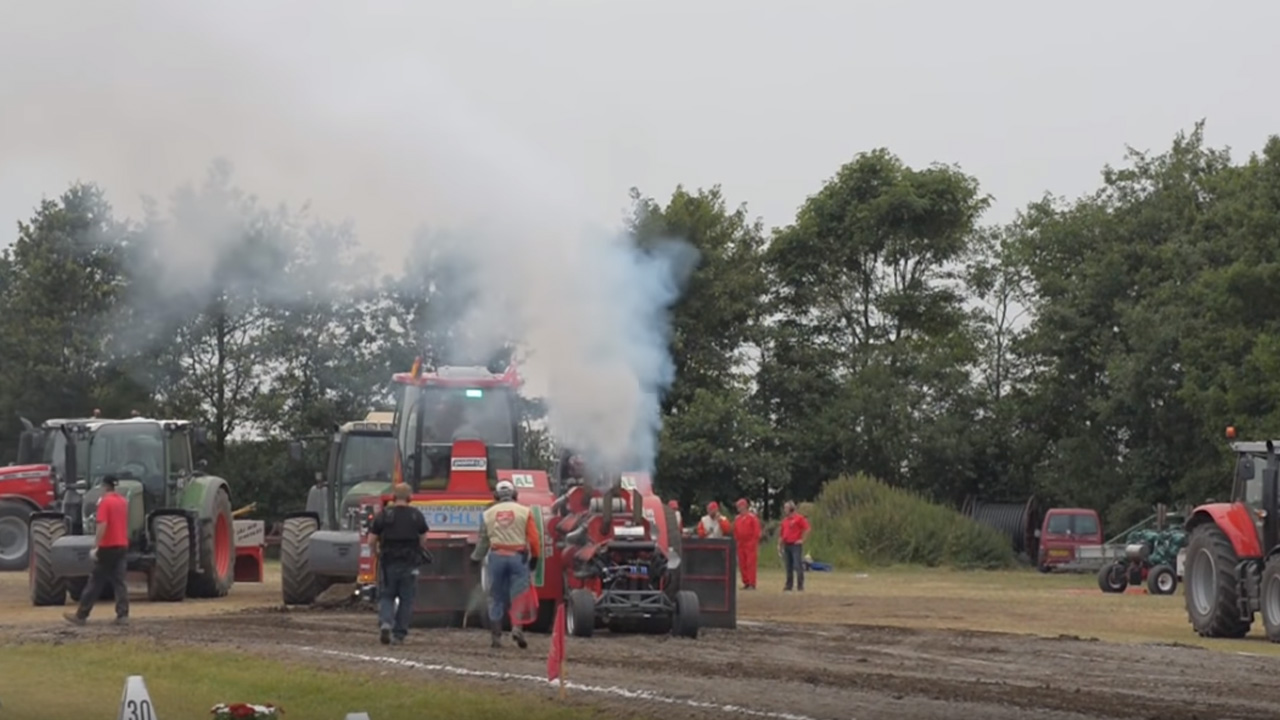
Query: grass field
(1015,601)
(186,683)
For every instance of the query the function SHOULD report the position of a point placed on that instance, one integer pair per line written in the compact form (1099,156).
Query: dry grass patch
(1023,602)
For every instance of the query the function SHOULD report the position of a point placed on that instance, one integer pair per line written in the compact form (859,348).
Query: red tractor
(1232,565)
(621,563)
(36,482)
(458,432)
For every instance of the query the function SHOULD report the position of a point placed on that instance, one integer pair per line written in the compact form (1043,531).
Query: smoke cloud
(313,104)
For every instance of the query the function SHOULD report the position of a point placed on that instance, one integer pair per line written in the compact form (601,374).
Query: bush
(860,521)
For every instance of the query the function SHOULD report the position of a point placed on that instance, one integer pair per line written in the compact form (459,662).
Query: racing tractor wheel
(1212,594)
(581,619)
(688,615)
(217,553)
(167,579)
(1112,578)
(1162,580)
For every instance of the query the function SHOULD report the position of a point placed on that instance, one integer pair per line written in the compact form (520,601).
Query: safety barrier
(447,586)
(709,567)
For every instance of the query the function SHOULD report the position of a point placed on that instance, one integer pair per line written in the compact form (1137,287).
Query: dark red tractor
(1232,568)
(621,569)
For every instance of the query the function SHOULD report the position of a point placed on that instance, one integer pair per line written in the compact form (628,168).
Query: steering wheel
(126,470)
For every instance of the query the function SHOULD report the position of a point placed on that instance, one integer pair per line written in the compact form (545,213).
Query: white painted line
(569,684)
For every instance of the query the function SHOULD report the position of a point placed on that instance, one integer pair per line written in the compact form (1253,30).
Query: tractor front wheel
(688,615)
(217,553)
(298,584)
(1113,578)
(1212,594)
(167,579)
(1162,580)
(1269,592)
(46,587)
(581,620)
(15,546)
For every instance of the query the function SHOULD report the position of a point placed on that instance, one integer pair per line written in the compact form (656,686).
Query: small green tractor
(320,546)
(180,522)
(1150,556)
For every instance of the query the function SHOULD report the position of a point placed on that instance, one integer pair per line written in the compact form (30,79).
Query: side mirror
(200,435)
(295,451)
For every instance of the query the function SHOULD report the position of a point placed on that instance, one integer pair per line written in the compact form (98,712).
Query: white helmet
(505,490)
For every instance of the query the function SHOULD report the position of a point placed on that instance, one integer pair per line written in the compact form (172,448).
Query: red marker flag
(555,658)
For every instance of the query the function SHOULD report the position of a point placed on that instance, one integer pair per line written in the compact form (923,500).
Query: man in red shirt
(111,544)
(791,537)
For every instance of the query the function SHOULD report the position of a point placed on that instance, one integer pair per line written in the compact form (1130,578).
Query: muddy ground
(762,669)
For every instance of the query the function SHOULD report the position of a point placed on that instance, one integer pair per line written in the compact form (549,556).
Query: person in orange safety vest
(746,533)
(511,538)
(713,524)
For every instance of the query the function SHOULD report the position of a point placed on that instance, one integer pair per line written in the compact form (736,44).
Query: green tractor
(180,523)
(320,546)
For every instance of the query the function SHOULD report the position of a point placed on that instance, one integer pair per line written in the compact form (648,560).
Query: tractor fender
(22,500)
(201,493)
(1234,521)
(303,513)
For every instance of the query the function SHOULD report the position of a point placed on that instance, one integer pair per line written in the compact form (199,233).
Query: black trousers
(110,568)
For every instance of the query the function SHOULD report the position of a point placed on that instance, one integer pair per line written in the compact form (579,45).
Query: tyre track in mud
(814,672)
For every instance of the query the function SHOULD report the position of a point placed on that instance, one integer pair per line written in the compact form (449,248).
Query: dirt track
(776,670)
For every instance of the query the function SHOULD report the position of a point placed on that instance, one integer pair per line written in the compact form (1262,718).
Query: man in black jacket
(399,540)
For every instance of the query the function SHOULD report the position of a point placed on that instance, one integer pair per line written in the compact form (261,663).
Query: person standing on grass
(111,545)
(791,537)
(399,540)
(746,533)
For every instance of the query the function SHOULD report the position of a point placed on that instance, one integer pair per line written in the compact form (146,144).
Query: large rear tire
(298,584)
(167,580)
(1212,594)
(217,553)
(15,541)
(46,587)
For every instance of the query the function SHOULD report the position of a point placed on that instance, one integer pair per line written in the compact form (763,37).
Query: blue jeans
(794,555)
(508,578)
(397,581)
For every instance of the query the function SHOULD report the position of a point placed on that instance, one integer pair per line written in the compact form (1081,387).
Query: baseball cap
(109,481)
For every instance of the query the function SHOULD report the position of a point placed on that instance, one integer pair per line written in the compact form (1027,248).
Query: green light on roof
(475,392)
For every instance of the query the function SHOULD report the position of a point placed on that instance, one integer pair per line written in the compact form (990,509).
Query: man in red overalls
(746,533)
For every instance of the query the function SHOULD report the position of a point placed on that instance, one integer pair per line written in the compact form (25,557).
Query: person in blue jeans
(399,535)
(512,542)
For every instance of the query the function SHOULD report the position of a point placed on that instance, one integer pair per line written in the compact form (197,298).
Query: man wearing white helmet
(510,537)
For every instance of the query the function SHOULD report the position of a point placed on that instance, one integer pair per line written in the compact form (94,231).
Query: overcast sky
(393,113)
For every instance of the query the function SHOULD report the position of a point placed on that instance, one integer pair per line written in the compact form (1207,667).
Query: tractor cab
(456,428)
(358,467)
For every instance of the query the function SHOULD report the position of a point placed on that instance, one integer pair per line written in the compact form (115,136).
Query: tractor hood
(356,495)
(25,473)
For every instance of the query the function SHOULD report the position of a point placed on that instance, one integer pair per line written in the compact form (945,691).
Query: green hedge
(859,521)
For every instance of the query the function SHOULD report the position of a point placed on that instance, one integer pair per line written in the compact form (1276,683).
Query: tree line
(1091,351)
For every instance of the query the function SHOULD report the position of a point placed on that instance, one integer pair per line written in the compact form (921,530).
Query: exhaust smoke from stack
(142,96)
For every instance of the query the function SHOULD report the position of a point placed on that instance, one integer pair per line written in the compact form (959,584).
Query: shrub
(860,521)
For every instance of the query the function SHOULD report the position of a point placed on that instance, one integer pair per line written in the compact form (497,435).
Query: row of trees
(1090,351)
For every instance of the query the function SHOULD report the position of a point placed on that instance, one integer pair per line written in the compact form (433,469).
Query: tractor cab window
(55,454)
(179,456)
(1253,483)
(437,416)
(364,458)
(133,451)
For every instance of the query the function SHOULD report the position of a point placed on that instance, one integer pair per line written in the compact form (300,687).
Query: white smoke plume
(311,102)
